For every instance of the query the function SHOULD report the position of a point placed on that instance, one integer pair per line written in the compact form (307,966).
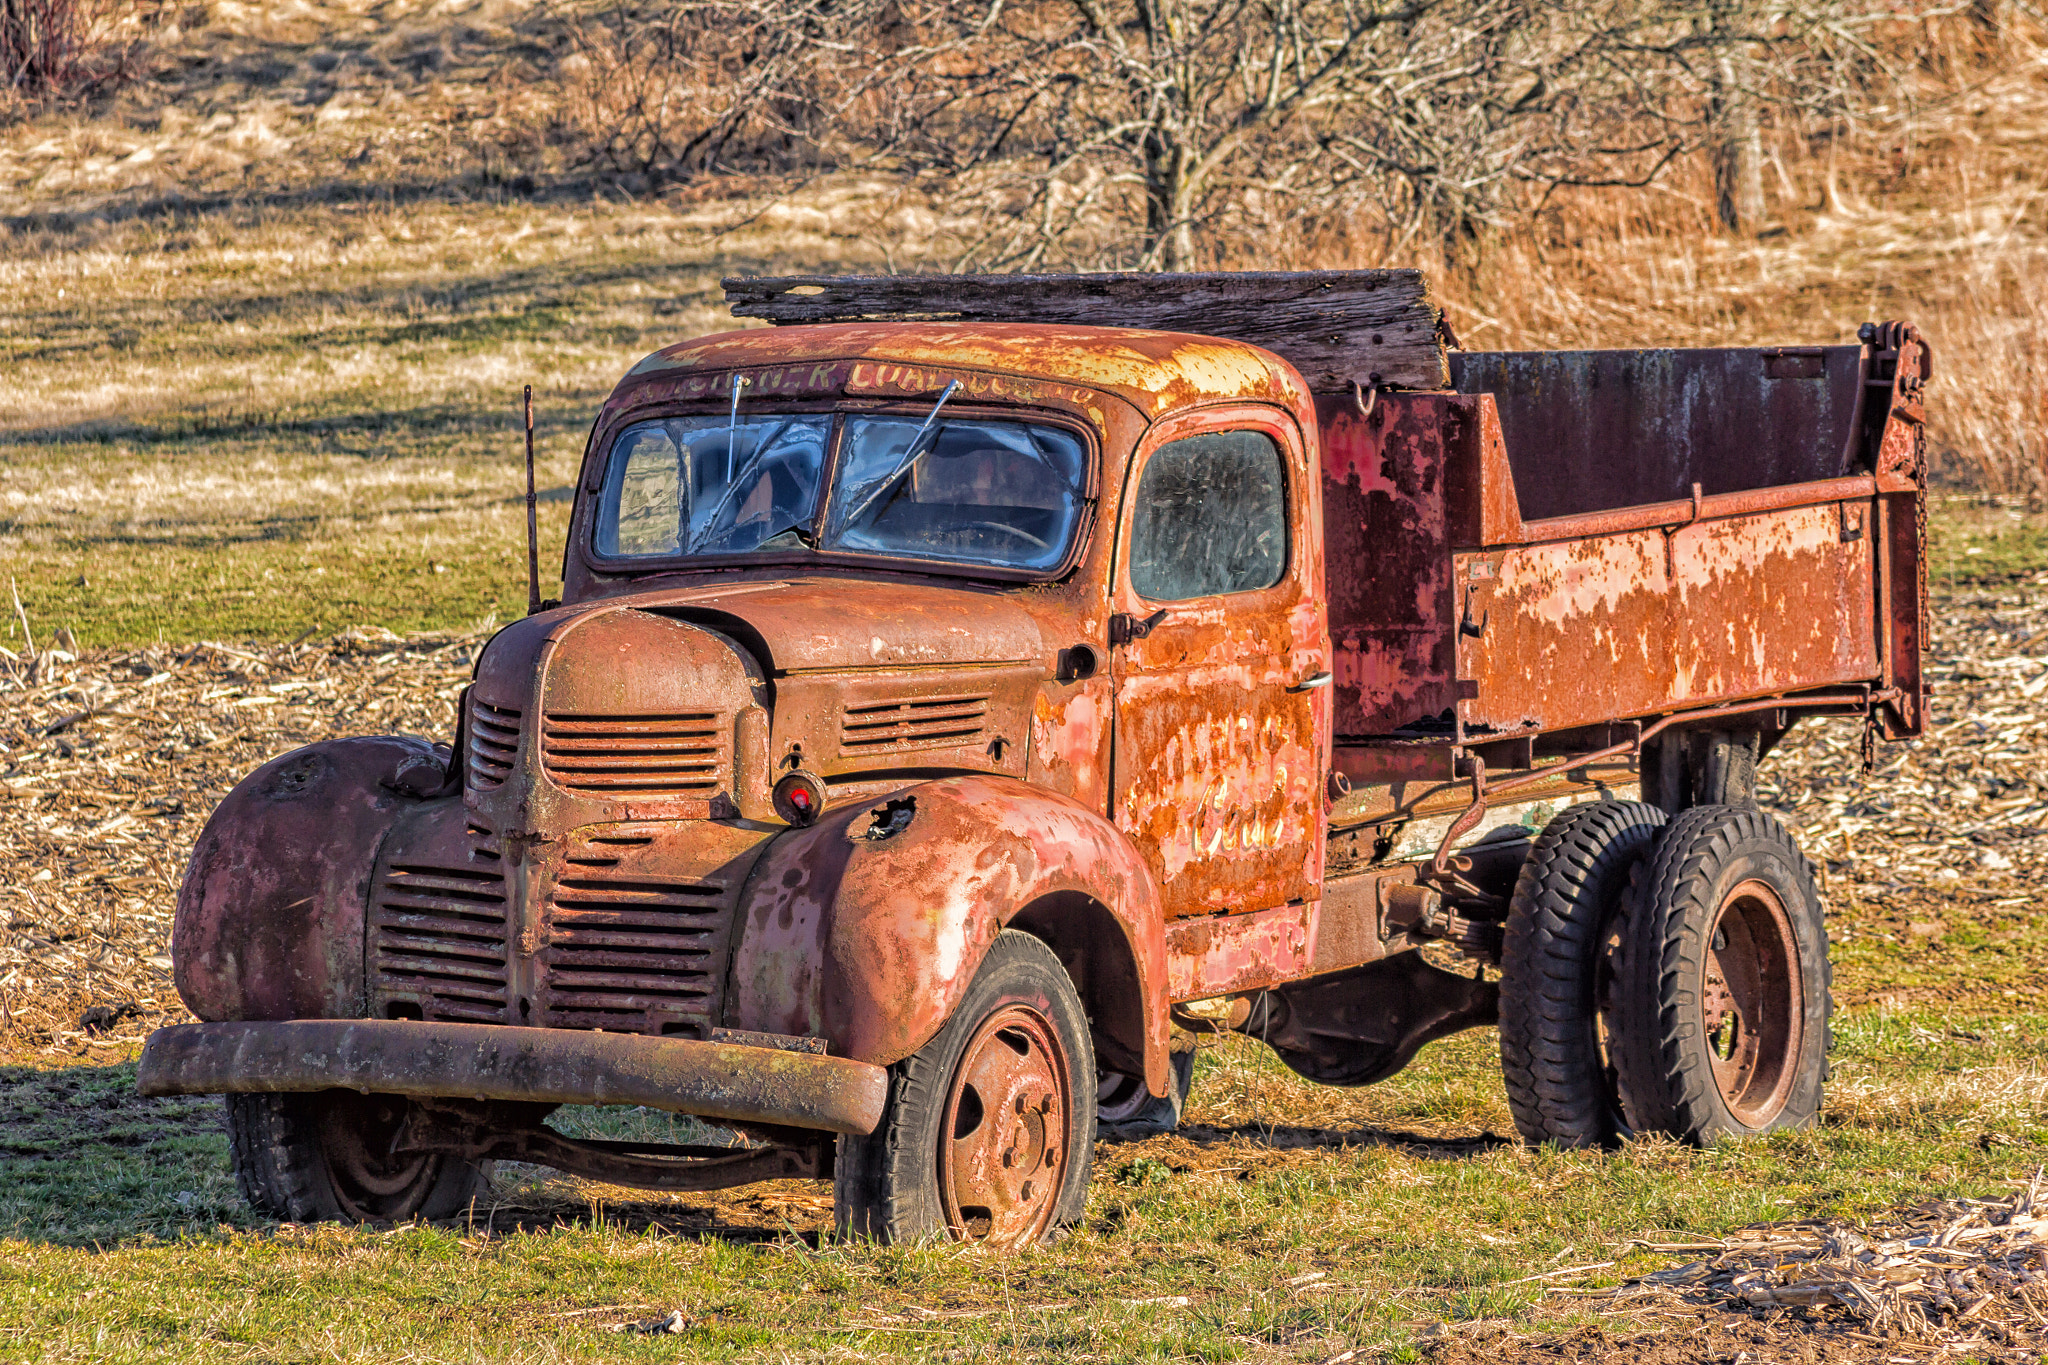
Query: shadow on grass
(86,1161)
(794,1209)
(1288,1137)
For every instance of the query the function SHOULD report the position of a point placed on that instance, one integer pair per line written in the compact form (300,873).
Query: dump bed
(1573,538)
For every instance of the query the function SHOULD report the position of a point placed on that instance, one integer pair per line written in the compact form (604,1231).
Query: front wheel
(987,1132)
(330,1157)
(1725,986)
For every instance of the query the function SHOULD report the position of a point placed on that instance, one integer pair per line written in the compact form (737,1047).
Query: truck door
(1220,655)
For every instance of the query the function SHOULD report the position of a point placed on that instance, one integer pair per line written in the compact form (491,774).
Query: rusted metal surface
(1649,622)
(617,926)
(1901,364)
(867,927)
(1221,747)
(1387,540)
(1006,1117)
(1853,488)
(1810,703)
(581,716)
(1590,430)
(1215,955)
(270,918)
(1361,1026)
(503,1062)
(1154,372)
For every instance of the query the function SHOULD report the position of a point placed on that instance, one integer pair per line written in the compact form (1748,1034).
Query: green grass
(1983,542)
(267,423)
(1390,1208)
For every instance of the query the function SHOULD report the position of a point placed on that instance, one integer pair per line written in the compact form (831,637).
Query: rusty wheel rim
(1752,1003)
(1003,1150)
(372,1182)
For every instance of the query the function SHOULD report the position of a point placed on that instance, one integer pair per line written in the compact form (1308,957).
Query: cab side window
(1211,517)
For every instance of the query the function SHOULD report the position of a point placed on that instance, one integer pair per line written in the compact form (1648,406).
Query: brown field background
(266,304)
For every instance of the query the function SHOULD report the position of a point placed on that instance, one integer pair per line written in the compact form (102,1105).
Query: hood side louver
(913,723)
(437,936)
(493,744)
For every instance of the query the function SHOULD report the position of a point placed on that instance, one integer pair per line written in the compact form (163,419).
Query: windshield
(964,490)
(707,485)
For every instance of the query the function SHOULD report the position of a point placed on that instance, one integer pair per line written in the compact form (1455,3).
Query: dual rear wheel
(1663,977)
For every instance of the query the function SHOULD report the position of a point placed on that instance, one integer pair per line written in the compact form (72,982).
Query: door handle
(1312,682)
(1124,628)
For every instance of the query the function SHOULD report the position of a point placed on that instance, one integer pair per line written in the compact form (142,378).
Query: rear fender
(867,927)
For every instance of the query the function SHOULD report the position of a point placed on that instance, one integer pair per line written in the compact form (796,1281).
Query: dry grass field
(264,318)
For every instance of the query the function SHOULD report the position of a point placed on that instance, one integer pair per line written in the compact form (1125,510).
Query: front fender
(867,927)
(270,918)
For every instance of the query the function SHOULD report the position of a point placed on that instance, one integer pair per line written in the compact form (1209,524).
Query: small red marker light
(799,798)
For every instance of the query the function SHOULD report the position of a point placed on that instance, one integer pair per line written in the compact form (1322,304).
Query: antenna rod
(532,524)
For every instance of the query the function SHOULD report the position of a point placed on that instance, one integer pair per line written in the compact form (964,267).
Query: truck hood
(805,624)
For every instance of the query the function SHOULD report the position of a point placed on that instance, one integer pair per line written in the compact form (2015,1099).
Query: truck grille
(912,723)
(678,755)
(633,953)
(437,937)
(493,743)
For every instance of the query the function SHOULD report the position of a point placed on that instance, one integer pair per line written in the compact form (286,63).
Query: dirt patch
(1955,1279)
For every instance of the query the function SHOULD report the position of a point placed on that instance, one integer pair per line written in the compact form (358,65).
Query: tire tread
(1556,1085)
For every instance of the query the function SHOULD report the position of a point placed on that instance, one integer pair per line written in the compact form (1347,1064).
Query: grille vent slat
(639,954)
(670,755)
(913,723)
(438,937)
(493,743)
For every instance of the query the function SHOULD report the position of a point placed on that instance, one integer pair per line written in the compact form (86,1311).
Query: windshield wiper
(732,425)
(732,485)
(911,455)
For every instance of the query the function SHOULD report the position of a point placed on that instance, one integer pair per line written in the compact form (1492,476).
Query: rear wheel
(988,1131)
(1557,987)
(1725,999)
(328,1157)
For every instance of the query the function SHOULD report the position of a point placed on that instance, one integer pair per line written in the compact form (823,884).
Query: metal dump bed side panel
(1577,630)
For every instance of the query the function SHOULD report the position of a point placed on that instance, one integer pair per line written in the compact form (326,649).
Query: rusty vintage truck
(970,690)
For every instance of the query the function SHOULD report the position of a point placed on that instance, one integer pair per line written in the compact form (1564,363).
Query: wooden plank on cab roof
(1335,326)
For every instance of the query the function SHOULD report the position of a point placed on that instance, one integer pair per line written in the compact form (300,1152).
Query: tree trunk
(1169,203)
(1738,155)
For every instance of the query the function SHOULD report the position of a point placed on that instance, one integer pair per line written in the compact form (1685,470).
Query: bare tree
(1131,132)
(670,89)
(1167,134)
